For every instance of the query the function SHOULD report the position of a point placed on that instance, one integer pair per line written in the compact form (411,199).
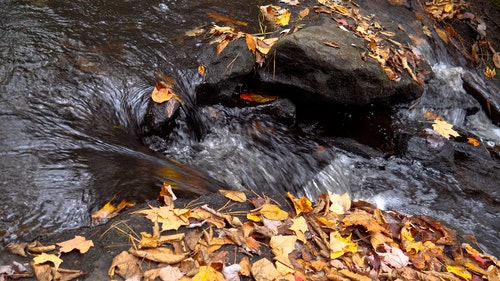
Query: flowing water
(74,83)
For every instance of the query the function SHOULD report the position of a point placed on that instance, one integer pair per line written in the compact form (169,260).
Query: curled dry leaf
(125,265)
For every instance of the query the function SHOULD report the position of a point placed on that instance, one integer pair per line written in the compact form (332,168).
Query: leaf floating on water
(163,92)
(109,210)
(444,128)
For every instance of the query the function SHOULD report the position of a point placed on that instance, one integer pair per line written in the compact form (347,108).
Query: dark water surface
(74,82)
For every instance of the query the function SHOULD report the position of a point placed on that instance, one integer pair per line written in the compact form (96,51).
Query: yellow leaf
(253,217)
(302,205)
(340,245)
(273,212)
(43,258)
(442,34)
(109,210)
(459,271)
(490,72)
(283,18)
(79,243)
(238,196)
(339,204)
(208,273)
(444,129)
(300,227)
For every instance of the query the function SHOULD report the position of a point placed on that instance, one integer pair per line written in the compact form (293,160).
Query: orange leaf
(473,141)
(251,42)
(201,70)
(302,205)
(162,93)
(109,210)
(273,212)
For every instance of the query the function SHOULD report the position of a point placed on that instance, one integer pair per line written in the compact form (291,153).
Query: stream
(75,78)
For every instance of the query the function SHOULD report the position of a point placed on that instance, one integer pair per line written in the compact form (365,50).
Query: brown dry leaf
(18,249)
(496,60)
(264,270)
(167,196)
(226,19)
(442,34)
(300,227)
(170,273)
(68,274)
(281,246)
(273,212)
(110,211)
(125,265)
(339,204)
(238,196)
(354,276)
(245,266)
(37,247)
(79,242)
(394,257)
(304,13)
(444,128)
(162,255)
(365,219)
(43,258)
(42,272)
(331,44)
(166,215)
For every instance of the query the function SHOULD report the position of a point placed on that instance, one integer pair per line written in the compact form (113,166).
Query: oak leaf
(79,242)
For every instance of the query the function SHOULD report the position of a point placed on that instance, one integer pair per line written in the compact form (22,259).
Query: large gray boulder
(308,70)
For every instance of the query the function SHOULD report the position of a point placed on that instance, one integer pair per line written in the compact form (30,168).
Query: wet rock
(307,70)
(282,110)
(224,72)
(160,118)
(436,153)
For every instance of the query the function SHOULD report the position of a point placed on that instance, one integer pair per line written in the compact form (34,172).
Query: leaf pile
(333,238)
(46,260)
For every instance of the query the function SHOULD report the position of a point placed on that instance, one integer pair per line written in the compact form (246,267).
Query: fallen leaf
(273,212)
(490,72)
(253,97)
(125,265)
(264,270)
(163,255)
(283,18)
(281,246)
(496,60)
(163,92)
(202,70)
(304,13)
(444,128)
(301,205)
(79,242)
(110,211)
(170,273)
(331,44)
(394,257)
(43,258)
(232,272)
(339,204)
(238,196)
(18,249)
(459,271)
(251,42)
(340,245)
(299,226)
(473,141)
(207,273)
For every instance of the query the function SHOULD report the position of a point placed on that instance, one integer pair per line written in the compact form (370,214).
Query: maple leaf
(300,227)
(79,242)
(340,245)
(43,258)
(281,246)
(444,128)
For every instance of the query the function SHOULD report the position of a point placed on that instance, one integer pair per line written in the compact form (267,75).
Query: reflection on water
(74,82)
